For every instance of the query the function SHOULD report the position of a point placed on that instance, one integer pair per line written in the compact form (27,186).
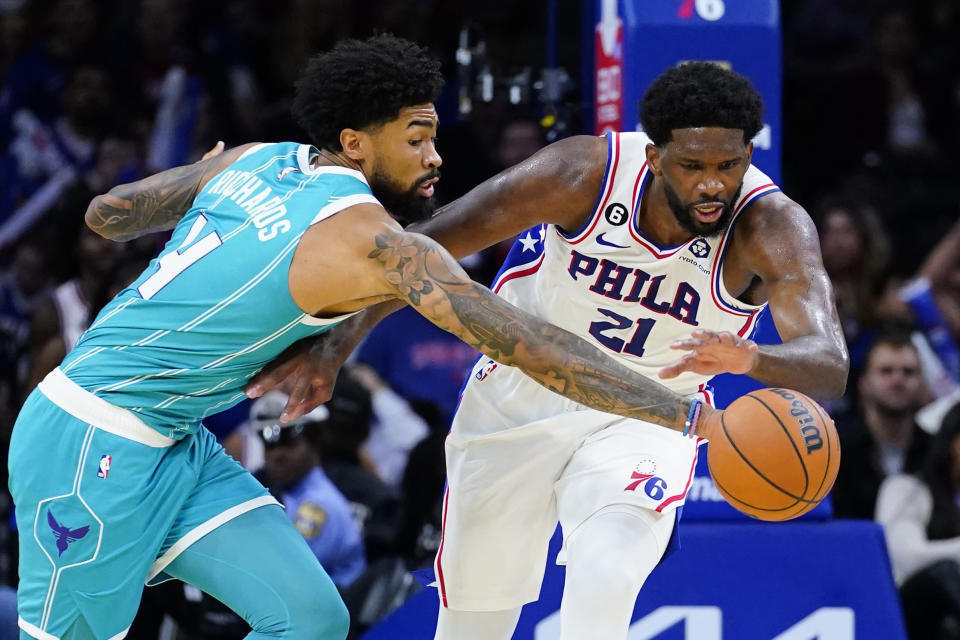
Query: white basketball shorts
(520,458)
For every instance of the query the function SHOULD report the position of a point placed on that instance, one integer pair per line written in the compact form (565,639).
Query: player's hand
(710,353)
(306,371)
(215,151)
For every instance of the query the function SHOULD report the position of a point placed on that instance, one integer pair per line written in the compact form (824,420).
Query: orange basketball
(775,455)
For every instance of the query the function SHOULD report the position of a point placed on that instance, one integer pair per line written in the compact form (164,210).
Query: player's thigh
(88,532)
(500,511)
(259,565)
(630,463)
(220,490)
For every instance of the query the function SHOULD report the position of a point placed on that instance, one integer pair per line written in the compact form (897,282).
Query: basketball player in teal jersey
(117,483)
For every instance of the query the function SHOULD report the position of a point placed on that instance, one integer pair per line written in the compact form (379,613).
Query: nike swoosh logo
(607,243)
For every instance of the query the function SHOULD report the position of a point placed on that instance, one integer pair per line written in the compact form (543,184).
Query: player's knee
(311,609)
(619,547)
(318,612)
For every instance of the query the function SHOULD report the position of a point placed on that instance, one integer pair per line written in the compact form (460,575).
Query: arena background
(863,111)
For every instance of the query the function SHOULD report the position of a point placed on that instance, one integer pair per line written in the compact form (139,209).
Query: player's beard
(405,204)
(686,218)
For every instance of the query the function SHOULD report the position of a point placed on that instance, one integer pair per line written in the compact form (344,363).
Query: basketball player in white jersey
(661,248)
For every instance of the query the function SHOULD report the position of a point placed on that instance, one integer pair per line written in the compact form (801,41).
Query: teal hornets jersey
(214,307)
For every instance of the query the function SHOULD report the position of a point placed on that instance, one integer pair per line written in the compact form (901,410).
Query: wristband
(690,426)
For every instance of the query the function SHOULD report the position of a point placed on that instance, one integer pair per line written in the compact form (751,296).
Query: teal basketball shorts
(104,503)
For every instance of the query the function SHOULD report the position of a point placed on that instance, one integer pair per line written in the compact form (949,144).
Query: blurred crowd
(95,93)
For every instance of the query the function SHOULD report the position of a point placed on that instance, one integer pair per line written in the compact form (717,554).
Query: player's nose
(432,159)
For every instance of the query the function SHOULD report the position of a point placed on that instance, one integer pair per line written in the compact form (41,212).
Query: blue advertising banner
(636,40)
(730,581)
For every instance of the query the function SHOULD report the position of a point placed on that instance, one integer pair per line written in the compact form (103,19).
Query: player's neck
(655,219)
(328,158)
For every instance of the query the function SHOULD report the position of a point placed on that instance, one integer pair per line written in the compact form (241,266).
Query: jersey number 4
(601,330)
(172,264)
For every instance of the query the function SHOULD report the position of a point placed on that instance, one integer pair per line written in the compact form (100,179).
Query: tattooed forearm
(152,204)
(425,275)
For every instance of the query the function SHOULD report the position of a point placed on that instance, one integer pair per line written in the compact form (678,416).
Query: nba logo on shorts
(487,369)
(104,470)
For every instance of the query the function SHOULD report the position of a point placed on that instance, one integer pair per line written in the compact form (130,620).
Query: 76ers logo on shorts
(104,469)
(644,474)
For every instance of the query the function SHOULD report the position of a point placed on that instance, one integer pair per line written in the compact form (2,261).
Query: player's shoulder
(766,208)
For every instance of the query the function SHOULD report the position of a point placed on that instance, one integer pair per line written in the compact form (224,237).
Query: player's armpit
(424,274)
(157,202)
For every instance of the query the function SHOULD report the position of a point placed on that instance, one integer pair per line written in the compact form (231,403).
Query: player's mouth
(709,211)
(426,187)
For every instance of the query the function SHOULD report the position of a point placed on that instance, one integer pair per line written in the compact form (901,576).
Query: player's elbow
(834,376)
(98,220)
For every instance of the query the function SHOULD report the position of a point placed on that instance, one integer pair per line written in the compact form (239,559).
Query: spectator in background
(427,367)
(396,428)
(921,519)
(292,472)
(856,254)
(884,438)
(23,285)
(46,158)
(520,138)
(59,322)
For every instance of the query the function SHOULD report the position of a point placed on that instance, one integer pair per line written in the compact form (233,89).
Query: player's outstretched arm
(557,185)
(155,203)
(778,243)
(429,279)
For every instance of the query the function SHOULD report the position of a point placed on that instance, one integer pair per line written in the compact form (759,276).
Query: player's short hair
(700,94)
(361,84)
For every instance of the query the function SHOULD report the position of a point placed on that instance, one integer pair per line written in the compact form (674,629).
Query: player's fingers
(686,344)
(297,402)
(215,151)
(678,367)
(269,378)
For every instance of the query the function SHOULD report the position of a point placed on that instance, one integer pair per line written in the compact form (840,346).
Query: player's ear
(653,159)
(353,143)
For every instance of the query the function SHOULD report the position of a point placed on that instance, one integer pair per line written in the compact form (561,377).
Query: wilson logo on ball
(811,433)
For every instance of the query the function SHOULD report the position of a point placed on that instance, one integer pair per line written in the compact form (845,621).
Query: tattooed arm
(421,272)
(157,202)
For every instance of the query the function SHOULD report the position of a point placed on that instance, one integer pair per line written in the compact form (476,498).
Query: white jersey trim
(613,159)
(718,291)
(85,406)
(303,160)
(36,632)
(314,321)
(198,532)
(257,147)
(340,204)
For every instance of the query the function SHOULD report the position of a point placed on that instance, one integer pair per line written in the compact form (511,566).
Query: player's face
(406,164)
(702,171)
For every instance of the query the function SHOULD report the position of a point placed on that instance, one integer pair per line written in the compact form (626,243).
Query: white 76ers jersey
(610,284)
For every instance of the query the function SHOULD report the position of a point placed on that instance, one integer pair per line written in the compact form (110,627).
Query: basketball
(776,454)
